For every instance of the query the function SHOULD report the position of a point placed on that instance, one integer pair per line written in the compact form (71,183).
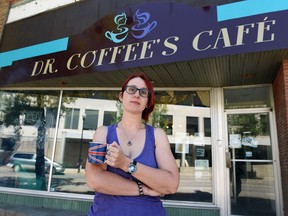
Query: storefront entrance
(252,171)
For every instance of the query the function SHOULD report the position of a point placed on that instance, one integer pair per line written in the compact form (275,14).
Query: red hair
(151,100)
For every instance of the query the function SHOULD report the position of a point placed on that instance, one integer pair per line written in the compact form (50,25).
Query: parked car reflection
(26,161)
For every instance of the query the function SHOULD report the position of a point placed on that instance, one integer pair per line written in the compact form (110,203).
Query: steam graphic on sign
(143,24)
(139,30)
(119,35)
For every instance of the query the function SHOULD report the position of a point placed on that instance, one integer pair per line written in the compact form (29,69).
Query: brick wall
(4,10)
(280,91)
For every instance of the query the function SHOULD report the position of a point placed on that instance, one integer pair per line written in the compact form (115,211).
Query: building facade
(220,84)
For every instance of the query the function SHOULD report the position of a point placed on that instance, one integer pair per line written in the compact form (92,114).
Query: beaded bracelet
(140,188)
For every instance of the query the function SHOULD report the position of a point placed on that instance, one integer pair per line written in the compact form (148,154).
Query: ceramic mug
(97,152)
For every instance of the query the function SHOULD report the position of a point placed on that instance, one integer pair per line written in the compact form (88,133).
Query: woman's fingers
(115,156)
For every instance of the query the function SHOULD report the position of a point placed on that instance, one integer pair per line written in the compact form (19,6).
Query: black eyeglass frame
(137,89)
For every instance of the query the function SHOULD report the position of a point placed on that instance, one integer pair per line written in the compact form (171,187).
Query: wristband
(140,188)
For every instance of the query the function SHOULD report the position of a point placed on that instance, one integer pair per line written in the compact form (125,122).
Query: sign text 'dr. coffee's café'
(143,35)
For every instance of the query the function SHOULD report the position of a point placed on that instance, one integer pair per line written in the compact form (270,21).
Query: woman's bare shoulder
(159,131)
(100,134)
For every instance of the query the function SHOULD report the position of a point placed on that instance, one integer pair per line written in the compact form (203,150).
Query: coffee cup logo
(142,27)
(121,32)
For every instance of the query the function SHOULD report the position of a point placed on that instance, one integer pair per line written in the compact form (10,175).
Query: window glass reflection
(251,97)
(27,128)
(109,117)
(192,125)
(184,115)
(166,122)
(207,127)
(91,120)
(72,118)
(253,132)
(94,109)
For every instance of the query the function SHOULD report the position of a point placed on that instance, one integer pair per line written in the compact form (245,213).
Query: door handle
(228,160)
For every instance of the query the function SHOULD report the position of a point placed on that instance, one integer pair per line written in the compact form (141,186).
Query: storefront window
(84,111)
(247,97)
(109,117)
(72,119)
(27,128)
(95,108)
(166,122)
(192,125)
(91,119)
(207,127)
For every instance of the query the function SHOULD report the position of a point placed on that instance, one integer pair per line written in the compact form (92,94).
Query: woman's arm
(105,182)
(164,179)
(102,181)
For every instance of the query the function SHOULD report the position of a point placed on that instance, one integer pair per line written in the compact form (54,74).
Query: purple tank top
(108,205)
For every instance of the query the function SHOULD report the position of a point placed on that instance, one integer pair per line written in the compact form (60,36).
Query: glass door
(252,180)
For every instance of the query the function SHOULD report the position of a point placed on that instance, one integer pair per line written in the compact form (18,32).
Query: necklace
(129,143)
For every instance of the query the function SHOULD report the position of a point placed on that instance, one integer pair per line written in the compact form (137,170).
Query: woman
(139,166)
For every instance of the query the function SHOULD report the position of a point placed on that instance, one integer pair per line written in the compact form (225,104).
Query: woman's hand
(116,158)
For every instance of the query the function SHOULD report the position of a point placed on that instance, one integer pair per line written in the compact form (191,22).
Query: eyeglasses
(144,92)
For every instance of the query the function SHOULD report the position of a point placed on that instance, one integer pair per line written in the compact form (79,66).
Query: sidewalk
(14,210)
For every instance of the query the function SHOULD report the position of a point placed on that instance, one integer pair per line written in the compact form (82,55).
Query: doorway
(252,176)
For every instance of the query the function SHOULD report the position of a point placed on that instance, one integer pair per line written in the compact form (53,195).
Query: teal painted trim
(7,58)
(249,8)
(83,206)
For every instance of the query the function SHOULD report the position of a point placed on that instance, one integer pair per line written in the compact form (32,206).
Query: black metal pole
(81,144)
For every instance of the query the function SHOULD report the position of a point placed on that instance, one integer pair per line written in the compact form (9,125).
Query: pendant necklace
(129,143)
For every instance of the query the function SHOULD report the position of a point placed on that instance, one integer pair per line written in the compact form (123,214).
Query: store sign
(151,34)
